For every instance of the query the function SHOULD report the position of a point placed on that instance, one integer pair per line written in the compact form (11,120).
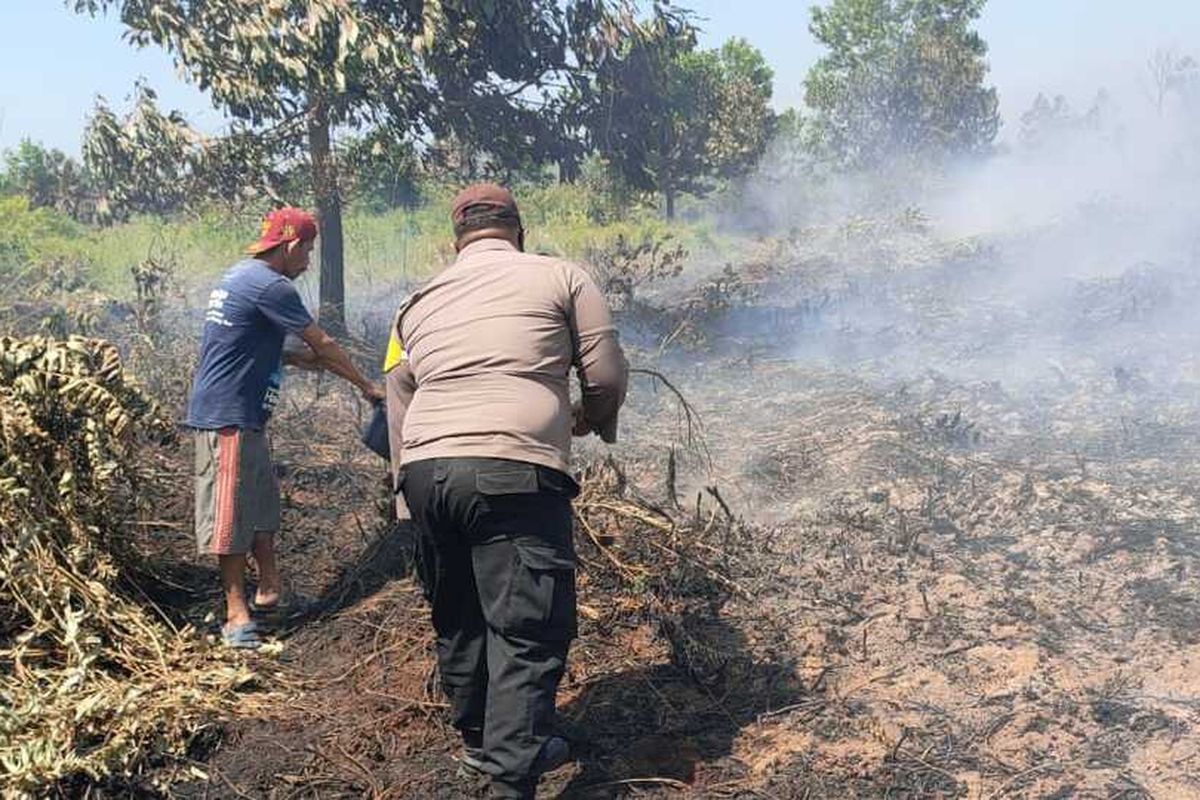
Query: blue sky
(53,63)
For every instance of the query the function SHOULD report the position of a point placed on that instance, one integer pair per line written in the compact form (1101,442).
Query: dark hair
(480,217)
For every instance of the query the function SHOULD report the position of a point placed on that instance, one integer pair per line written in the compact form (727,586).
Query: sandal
(241,637)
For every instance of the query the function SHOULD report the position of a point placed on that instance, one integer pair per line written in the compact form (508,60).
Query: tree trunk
(666,182)
(568,169)
(332,312)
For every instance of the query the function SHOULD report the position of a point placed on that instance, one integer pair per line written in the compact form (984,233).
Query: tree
(47,178)
(744,123)
(1171,73)
(902,78)
(150,162)
(142,164)
(418,67)
(380,170)
(652,107)
(671,118)
(1052,123)
(30,171)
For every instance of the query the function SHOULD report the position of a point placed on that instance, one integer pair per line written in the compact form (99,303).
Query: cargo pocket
(517,479)
(504,499)
(541,592)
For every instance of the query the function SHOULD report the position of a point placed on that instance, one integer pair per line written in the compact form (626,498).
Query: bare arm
(333,358)
(302,357)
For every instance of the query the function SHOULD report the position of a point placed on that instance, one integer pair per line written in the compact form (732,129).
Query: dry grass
(94,682)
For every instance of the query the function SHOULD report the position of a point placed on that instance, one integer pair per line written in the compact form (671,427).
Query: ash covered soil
(927,535)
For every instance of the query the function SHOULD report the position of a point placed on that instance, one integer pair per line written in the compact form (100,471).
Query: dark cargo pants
(497,562)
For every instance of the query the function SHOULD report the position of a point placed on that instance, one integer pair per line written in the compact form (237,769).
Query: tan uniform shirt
(490,342)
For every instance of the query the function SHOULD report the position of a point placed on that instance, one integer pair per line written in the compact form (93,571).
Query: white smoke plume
(1073,250)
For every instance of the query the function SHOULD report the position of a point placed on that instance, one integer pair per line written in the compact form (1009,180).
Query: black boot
(554,752)
(470,762)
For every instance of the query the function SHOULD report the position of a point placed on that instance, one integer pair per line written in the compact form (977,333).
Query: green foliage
(381,172)
(244,166)
(44,248)
(744,122)
(265,62)
(671,118)
(561,220)
(47,178)
(455,159)
(29,236)
(609,197)
(494,74)
(903,78)
(653,108)
(795,163)
(150,162)
(145,163)
(382,248)
(202,244)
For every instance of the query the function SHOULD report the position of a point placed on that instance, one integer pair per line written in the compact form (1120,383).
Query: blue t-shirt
(241,354)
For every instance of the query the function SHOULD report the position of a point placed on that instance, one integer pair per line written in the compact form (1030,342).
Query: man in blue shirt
(234,392)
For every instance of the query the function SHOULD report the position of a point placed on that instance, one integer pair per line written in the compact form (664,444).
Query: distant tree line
(353,101)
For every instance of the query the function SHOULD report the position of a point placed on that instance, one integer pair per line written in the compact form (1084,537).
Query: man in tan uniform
(480,423)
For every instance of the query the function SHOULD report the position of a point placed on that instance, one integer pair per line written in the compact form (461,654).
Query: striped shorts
(237,494)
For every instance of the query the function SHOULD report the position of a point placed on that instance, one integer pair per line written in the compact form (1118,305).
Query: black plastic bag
(375,432)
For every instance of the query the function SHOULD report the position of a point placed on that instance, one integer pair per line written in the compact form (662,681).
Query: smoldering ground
(968,417)
(1073,253)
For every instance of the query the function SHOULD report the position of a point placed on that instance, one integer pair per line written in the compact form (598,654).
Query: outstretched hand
(374,393)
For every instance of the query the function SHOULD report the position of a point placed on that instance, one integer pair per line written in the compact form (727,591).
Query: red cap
(481,196)
(284,225)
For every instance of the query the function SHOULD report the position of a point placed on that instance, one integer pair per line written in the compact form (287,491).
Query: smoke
(1070,255)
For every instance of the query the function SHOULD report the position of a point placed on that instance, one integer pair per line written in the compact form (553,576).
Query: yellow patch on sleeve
(395,354)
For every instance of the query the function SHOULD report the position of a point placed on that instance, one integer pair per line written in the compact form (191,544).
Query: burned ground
(919,615)
(926,538)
